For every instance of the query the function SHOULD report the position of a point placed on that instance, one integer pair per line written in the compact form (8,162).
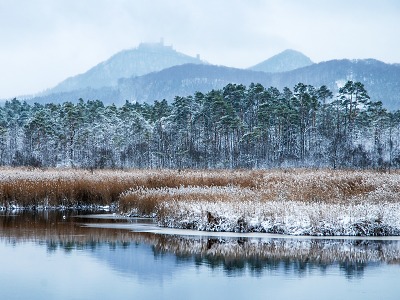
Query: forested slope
(381,80)
(232,127)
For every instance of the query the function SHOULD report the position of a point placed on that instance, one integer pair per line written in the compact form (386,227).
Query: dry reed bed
(71,188)
(300,201)
(297,202)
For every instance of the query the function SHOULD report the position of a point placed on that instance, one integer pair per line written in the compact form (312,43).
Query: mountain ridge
(144,59)
(381,80)
(284,61)
(115,83)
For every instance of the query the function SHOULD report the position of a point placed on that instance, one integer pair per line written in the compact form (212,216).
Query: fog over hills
(146,58)
(155,72)
(184,80)
(287,60)
(381,80)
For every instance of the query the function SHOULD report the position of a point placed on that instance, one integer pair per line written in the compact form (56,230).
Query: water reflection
(157,256)
(298,257)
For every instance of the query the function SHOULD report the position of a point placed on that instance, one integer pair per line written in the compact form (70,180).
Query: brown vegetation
(67,187)
(25,187)
(304,185)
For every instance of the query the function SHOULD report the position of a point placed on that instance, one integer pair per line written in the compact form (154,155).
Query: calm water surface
(53,255)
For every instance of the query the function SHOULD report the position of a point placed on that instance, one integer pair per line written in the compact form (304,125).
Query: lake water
(55,255)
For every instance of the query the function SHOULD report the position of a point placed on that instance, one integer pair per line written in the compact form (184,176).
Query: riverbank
(73,188)
(294,202)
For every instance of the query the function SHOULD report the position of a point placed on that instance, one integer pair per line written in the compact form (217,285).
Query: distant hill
(184,80)
(381,80)
(146,58)
(107,95)
(287,60)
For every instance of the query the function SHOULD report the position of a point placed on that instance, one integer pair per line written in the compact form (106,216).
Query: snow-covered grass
(299,201)
(295,202)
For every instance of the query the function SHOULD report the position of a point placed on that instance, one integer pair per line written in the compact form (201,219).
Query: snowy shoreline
(287,218)
(290,218)
(290,201)
(233,209)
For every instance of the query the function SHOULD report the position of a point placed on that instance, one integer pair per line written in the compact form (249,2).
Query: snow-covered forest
(235,127)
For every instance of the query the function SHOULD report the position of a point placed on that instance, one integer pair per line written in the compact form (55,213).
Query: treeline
(235,127)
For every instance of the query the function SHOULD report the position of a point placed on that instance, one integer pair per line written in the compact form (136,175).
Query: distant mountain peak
(144,59)
(289,51)
(287,60)
(381,81)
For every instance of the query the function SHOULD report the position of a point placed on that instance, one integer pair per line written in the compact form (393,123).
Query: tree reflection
(235,256)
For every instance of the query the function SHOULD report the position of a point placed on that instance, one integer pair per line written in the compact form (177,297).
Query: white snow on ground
(295,202)
(287,217)
(244,210)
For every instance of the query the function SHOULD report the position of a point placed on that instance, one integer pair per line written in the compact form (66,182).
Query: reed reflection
(157,254)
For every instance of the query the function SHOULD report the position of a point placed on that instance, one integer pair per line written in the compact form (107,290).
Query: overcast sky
(45,41)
